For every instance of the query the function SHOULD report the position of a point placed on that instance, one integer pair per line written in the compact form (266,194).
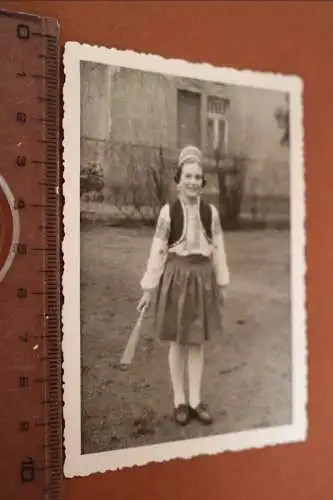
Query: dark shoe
(182,414)
(202,414)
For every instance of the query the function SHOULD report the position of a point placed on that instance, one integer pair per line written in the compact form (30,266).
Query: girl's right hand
(144,301)
(222,294)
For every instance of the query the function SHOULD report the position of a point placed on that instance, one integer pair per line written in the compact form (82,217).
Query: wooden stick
(129,352)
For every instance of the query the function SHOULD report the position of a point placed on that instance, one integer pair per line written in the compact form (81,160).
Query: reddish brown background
(284,37)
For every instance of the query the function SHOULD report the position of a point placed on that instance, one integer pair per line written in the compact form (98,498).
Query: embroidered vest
(177,221)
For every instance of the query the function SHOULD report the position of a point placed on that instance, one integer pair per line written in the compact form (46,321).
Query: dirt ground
(247,377)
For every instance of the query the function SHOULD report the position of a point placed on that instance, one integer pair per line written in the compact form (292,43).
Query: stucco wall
(126,115)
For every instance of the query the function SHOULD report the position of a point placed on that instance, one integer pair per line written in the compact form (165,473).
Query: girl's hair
(179,173)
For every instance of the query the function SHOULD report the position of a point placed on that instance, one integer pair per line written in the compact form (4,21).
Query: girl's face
(191,178)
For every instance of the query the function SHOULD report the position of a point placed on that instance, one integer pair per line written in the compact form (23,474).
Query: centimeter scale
(30,253)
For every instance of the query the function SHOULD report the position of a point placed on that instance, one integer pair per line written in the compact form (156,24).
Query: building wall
(144,112)
(95,91)
(255,133)
(143,117)
(142,108)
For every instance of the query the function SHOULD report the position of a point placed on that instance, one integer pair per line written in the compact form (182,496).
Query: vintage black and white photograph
(184,270)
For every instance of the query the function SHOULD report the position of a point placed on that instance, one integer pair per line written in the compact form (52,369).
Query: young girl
(187,265)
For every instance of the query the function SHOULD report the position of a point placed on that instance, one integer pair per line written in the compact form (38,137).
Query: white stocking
(177,369)
(195,369)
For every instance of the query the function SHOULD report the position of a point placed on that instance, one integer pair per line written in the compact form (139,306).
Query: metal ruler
(30,259)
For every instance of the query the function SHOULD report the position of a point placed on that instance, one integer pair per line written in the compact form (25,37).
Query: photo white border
(77,464)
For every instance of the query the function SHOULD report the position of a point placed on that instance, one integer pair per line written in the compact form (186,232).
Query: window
(217,135)
(189,118)
(217,125)
(217,106)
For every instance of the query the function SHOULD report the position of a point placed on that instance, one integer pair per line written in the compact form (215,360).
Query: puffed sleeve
(158,251)
(219,258)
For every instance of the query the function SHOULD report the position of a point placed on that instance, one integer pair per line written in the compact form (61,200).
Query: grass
(247,373)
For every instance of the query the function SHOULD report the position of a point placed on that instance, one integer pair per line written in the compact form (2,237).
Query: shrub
(91,179)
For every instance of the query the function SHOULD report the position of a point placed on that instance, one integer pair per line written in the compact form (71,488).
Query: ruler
(30,259)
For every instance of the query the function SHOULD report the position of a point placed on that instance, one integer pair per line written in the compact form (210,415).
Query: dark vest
(177,221)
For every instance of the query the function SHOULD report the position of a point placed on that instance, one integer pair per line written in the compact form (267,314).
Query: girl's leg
(177,357)
(195,370)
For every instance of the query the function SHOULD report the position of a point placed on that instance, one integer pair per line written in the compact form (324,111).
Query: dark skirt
(188,309)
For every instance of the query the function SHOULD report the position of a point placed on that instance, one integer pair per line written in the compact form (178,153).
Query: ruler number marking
(22,293)
(24,381)
(24,426)
(20,249)
(21,161)
(23,31)
(24,337)
(21,117)
(27,472)
(19,204)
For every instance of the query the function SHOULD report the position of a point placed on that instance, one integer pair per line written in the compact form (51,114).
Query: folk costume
(186,265)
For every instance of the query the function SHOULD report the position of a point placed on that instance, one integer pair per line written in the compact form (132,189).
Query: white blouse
(195,242)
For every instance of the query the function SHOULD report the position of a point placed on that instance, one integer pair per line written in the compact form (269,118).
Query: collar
(189,205)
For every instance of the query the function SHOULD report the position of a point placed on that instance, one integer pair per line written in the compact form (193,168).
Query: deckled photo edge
(179,450)
(298,244)
(77,464)
(71,258)
(179,67)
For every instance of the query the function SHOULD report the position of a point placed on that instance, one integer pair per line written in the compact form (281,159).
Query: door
(189,111)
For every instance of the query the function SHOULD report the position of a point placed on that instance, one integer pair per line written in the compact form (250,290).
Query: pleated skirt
(188,309)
